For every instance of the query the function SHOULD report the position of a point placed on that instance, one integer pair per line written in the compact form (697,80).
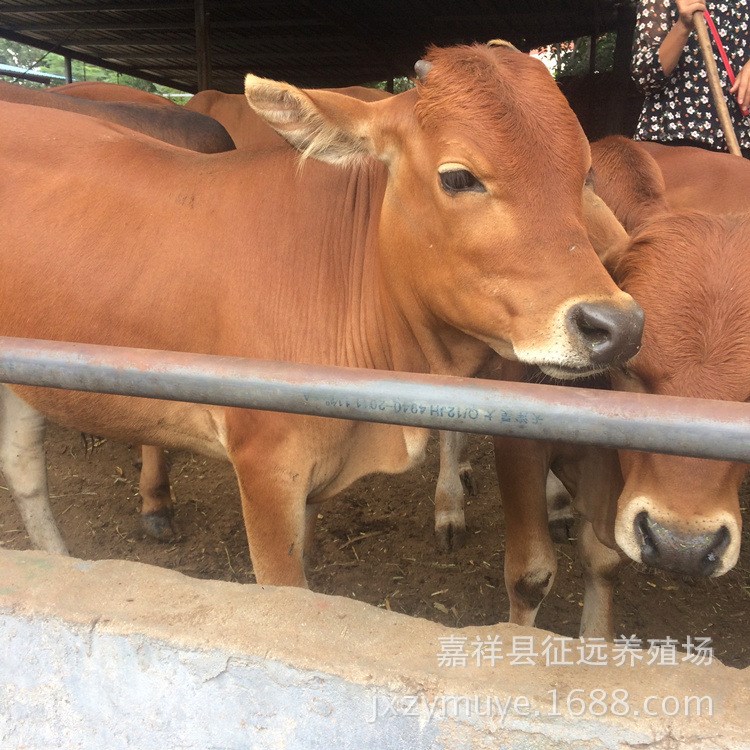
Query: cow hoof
(159,525)
(561,530)
(466,473)
(450,536)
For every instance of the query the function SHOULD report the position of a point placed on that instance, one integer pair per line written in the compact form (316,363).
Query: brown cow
(707,180)
(427,247)
(180,129)
(689,270)
(173,125)
(249,131)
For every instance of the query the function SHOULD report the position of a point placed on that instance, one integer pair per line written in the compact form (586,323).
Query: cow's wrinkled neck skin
(334,273)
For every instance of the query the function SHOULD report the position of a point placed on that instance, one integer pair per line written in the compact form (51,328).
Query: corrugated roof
(309,43)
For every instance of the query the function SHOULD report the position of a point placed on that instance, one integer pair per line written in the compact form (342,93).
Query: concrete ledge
(124,655)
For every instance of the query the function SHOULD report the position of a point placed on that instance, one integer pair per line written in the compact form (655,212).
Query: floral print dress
(679,108)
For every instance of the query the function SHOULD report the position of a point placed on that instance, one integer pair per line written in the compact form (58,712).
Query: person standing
(669,69)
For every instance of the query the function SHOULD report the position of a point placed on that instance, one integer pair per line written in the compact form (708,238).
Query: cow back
(110,92)
(173,125)
(702,179)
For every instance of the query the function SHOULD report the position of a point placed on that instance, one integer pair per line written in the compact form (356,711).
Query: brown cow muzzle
(650,529)
(606,334)
(691,554)
(681,514)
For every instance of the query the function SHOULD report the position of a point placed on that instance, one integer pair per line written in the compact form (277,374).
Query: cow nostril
(646,539)
(595,335)
(712,558)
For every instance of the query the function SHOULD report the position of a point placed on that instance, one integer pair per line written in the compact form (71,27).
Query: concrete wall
(113,655)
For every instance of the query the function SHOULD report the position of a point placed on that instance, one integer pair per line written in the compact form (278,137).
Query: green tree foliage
(20,55)
(571,59)
(402,83)
(30,58)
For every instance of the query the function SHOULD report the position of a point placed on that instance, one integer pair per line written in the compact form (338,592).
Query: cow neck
(419,342)
(376,334)
(327,286)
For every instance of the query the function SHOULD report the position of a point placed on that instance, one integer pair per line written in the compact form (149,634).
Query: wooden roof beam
(166,25)
(47,9)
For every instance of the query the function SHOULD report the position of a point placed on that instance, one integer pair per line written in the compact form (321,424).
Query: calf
(690,271)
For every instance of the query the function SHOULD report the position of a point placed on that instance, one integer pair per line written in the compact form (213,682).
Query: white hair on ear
(294,116)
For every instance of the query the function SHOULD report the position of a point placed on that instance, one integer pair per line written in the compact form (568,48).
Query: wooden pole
(714,84)
(68,69)
(622,84)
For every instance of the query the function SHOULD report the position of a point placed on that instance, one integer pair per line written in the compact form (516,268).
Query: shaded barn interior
(197,44)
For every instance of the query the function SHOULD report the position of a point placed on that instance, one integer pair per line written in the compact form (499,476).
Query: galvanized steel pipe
(691,427)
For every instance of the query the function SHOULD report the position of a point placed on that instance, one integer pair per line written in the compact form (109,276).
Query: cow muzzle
(662,547)
(709,546)
(596,335)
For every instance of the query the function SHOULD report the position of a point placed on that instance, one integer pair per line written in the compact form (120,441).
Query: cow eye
(460,181)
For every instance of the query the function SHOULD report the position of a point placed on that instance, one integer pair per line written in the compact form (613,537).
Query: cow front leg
(530,560)
(274,498)
(24,465)
(600,565)
(454,477)
(156,511)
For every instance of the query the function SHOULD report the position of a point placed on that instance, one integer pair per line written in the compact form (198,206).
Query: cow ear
(606,234)
(323,125)
(629,180)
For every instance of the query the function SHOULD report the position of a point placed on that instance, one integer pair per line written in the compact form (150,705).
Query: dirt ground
(375,544)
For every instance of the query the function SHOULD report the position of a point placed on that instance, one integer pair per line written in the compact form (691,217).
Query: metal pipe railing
(662,424)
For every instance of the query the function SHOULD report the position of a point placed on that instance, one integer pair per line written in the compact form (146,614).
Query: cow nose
(692,554)
(608,334)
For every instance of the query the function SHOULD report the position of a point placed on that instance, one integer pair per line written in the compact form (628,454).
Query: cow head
(482,229)
(688,270)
